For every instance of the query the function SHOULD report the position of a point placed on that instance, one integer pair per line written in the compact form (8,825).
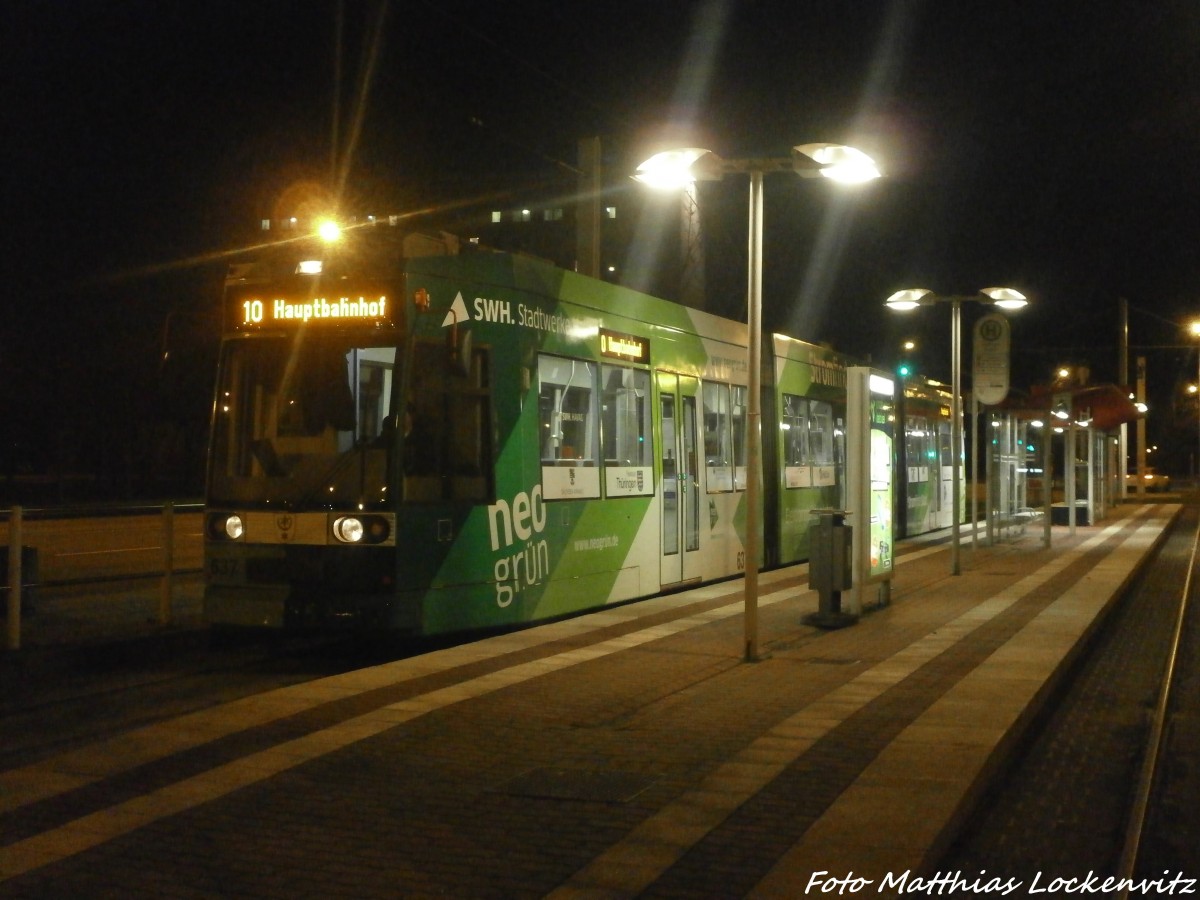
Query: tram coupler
(829,567)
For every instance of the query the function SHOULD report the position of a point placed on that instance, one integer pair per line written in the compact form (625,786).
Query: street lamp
(903,301)
(673,169)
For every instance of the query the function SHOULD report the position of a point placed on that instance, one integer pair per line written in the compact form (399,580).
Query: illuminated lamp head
(329,231)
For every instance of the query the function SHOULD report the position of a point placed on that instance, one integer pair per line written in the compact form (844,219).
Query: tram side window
(626,434)
(795,430)
(820,433)
(917,452)
(568,424)
(797,461)
(811,452)
(738,421)
(718,437)
(822,444)
(944,444)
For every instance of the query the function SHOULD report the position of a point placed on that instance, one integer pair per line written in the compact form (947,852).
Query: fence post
(14,579)
(168,541)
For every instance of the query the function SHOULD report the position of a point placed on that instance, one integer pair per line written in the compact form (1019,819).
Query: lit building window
(497,216)
(523,215)
(553,215)
(266,224)
(610,212)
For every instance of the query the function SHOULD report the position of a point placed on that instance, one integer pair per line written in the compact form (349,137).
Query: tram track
(1069,804)
(1164,825)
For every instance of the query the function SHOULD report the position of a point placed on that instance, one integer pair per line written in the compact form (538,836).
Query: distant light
(329,231)
(309,267)
(1141,407)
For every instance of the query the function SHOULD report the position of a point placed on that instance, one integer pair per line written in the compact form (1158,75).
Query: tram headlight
(361,529)
(226,527)
(349,529)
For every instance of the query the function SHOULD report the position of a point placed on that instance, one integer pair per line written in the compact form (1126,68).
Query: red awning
(1106,405)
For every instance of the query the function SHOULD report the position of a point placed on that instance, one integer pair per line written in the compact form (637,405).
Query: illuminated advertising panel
(870,430)
(882,426)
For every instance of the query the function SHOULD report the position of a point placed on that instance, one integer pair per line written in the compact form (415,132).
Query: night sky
(1047,146)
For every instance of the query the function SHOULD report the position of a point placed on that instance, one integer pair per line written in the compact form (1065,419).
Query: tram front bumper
(260,607)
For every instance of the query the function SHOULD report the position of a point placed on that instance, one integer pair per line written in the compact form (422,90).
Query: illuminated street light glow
(671,169)
(1006,298)
(329,231)
(840,163)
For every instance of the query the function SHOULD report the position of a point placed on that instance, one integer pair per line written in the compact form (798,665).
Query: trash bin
(30,578)
(829,567)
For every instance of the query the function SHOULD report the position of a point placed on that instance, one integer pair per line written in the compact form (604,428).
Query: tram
(925,458)
(412,435)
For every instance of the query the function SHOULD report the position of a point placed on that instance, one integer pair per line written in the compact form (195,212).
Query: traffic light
(904,369)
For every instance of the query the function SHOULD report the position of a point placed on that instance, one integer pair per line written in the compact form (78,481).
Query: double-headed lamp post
(674,169)
(903,301)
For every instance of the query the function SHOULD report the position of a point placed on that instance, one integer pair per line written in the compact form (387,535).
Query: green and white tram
(925,458)
(412,438)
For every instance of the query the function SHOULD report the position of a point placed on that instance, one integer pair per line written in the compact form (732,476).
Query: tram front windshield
(304,422)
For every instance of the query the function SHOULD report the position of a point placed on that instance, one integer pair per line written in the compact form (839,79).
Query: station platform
(627,753)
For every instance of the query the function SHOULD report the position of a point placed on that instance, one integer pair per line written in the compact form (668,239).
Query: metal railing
(23,564)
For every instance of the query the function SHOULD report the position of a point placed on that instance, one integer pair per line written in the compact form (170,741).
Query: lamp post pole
(753,413)
(676,168)
(909,299)
(956,430)
(1195,327)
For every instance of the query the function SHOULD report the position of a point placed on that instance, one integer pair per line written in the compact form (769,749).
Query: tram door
(679,489)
